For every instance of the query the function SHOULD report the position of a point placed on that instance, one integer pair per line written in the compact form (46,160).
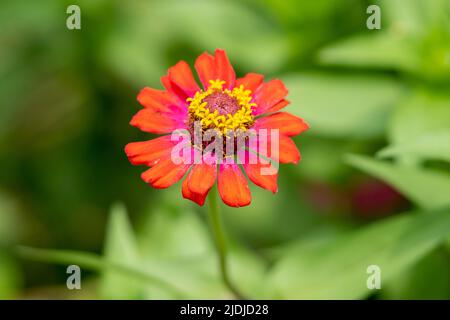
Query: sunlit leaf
(162,256)
(177,245)
(384,50)
(173,234)
(414,38)
(422,113)
(435,145)
(343,105)
(120,247)
(338,269)
(416,17)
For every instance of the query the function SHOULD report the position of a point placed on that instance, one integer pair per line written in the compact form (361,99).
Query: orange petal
(287,151)
(188,194)
(182,80)
(149,152)
(174,90)
(287,123)
(233,187)
(251,81)
(165,80)
(198,183)
(202,178)
(156,122)
(278,106)
(224,69)
(268,95)
(206,68)
(157,100)
(165,173)
(262,174)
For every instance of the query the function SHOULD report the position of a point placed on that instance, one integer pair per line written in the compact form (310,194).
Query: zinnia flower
(226,105)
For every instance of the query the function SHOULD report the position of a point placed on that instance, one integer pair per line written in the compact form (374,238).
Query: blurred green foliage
(372,188)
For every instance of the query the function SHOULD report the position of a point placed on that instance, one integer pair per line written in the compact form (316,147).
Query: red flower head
(242,115)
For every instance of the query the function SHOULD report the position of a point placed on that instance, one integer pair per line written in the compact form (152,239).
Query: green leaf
(156,274)
(422,113)
(177,245)
(427,188)
(338,269)
(343,105)
(173,247)
(417,16)
(120,247)
(169,234)
(95,262)
(10,276)
(427,279)
(413,39)
(435,145)
(384,50)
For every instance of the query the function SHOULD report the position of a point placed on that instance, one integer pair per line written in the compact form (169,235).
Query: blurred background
(373,187)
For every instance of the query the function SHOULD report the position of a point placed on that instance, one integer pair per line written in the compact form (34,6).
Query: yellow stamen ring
(241,120)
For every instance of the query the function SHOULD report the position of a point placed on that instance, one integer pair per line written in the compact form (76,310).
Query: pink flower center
(222,102)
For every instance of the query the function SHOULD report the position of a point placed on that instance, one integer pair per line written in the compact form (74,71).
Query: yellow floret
(240,120)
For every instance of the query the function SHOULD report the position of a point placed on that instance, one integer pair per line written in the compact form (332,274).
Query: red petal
(149,152)
(202,177)
(224,69)
(287,123)
(157,100)
(268,95)
(165,173)
(182,80)
(156,122)
(257,174)
(251,81)
(233,187)
(206,68)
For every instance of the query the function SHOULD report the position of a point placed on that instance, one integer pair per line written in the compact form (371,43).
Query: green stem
(220,240)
